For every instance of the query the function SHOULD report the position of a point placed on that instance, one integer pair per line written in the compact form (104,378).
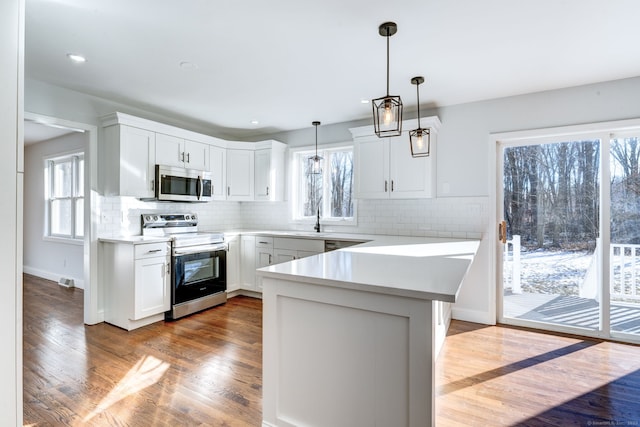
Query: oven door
(198,274)
(182,185)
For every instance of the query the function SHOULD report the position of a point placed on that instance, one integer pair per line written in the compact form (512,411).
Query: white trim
(474,316)
(64,240)
(49,275)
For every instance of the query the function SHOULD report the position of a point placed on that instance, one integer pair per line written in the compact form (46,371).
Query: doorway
(568,247)
(89,246)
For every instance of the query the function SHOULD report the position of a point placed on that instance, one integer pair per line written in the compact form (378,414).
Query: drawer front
(264,242)
(149,250)
(310,245)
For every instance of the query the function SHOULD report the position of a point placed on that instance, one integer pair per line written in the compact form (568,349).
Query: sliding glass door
(570,248)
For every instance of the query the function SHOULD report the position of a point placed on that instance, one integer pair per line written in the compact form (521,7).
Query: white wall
(11,168)
(462,164)
(45,258)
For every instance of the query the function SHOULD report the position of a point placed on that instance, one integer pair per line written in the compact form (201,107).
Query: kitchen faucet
(317,226)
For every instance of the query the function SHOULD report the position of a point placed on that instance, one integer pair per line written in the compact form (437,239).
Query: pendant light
(315,167)
(387,111)
(420,138)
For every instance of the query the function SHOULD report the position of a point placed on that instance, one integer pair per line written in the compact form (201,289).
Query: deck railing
(625,272)
(511,264)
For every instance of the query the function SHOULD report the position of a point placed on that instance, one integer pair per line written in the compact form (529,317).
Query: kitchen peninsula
(350,336)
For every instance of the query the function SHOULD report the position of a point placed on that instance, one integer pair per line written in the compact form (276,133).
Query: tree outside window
(64,192)
(331,191)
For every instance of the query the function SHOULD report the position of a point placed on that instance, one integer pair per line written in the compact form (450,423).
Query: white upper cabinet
(175,151)
(218,168)
(126,161)
(385,169)
(240,175)
(131,147)
(269,171)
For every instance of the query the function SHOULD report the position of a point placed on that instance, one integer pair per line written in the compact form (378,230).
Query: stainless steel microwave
(182,185)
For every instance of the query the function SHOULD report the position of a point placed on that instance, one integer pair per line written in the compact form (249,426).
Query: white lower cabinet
(248,263)
(137,282)
(233,262)
(264,257)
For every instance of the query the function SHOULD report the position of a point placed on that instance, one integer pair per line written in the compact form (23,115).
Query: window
(64,192)
(331,192)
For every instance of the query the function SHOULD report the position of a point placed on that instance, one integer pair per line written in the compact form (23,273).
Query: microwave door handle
(199,189)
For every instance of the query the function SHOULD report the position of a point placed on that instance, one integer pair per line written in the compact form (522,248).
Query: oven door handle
(199,249)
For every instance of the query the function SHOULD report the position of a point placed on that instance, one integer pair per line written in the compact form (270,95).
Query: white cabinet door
(137,166)
(233,263)
(263,184)
(218,168)
(196,155)
(240,173)
(169,150)
(410,177)
(284,255)
(248,262)
(372,168)
(152,286)
(174,151)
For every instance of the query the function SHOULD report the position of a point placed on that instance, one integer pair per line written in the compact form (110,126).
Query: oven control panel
(169,220)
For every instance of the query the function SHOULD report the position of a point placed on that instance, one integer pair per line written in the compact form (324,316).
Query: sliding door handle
(502,232)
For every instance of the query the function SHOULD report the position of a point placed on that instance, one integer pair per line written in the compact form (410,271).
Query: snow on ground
(551,272)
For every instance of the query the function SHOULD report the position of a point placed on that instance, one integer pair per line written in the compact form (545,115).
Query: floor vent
(67,283)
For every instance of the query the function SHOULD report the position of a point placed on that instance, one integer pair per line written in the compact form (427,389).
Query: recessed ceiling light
(364,101)
(76,58)
(255,122)
(186,65)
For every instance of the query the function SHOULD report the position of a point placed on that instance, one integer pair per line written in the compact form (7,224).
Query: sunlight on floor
(147,371)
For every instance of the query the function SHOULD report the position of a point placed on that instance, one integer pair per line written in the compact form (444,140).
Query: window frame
(296,188)
(76,158)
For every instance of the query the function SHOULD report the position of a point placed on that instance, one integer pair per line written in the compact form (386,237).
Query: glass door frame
(497,142)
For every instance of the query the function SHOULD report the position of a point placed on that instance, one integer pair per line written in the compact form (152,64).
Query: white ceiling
(286,63)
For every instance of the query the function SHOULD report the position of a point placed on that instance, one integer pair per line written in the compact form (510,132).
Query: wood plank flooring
(203,370)
(206,370)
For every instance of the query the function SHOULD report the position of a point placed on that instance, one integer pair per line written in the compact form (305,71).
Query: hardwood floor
(206,370)
(203,370)
(502,376)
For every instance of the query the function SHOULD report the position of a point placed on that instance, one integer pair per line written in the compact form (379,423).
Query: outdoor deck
(570,311)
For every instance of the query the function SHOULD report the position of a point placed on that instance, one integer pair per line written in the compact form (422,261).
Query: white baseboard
(55,277)
(474,316)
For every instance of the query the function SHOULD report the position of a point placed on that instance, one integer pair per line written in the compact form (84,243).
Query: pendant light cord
(387,61)
(418,97)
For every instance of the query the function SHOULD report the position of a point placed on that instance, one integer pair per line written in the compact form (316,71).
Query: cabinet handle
(391,185)
(153,251)
(267,191)
(228,191)
(386,185)
(182,157)
(168,268)
(153,185)
(188,157)
(269,258)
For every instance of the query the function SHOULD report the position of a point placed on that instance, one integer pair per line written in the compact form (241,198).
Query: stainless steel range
(199,266)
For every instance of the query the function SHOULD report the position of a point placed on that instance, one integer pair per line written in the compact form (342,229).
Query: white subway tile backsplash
(465,217)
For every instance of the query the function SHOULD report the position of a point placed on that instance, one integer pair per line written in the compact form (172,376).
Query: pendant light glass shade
(387,111)
(315,162)
(420,138)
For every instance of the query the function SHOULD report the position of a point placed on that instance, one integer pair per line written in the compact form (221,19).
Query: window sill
(64,240)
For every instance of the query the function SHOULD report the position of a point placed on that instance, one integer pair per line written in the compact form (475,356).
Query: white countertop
(134,240)
(423,268)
